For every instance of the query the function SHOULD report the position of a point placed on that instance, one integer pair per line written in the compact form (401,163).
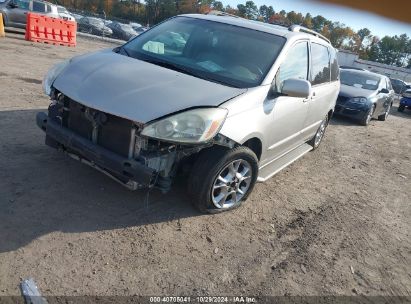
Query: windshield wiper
(125,51)
(120,49)
(171,66)
(179,68)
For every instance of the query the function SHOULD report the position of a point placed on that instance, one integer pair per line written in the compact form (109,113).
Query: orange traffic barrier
(2,33)
(40,28)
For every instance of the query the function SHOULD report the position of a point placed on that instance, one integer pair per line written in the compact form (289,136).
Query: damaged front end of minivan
(137,155)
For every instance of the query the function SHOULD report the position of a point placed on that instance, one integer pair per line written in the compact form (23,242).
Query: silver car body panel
(137,90)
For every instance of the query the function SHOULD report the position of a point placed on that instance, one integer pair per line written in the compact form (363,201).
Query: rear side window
(389,86)
(320,64)
(295,64)
(335,71)
(39,7)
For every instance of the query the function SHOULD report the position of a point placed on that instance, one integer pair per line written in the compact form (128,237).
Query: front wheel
(384,116)
(366,120)
(221,179)
(401,108)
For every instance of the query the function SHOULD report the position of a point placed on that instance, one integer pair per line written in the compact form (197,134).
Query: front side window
(223,53)
(295,64)
(320,64)
(39,7)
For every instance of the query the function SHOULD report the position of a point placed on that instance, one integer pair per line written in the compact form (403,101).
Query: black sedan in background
(122,31)
(94,26)
(398,85)
(364,95)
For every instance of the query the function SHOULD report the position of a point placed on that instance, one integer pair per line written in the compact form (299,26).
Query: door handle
(312,97)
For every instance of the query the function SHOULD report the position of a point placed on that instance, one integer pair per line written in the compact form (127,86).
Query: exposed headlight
(52,75)
(193,126)
(358,100)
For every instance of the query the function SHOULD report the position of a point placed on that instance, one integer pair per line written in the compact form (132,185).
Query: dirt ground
(336,222)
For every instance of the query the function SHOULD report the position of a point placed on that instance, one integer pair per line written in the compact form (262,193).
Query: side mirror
(296,88)
(384,91)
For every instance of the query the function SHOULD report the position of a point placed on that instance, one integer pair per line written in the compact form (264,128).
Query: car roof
(93,18)
(256,25)
(47,2)
(346,67)
(364,72)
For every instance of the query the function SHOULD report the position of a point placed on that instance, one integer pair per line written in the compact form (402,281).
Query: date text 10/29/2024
(205,299)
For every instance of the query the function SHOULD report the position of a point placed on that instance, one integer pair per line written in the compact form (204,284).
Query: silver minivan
(222,100)
(15,11)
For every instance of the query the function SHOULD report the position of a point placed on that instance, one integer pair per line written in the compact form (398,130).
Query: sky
(355,19)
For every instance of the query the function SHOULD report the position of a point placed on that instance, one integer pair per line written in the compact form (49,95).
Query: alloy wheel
(388,111)
(320,133)
(369,116)
(231,184)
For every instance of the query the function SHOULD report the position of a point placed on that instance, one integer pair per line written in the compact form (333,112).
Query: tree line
(392,50)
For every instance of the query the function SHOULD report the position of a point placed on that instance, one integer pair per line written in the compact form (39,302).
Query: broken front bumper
(128,171)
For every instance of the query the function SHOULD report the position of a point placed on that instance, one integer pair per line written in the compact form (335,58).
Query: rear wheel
(222,179)
(318,137)
(366,120)
(401,108)
(384,116)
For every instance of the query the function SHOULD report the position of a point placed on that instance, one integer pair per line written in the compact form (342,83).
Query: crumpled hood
(134,89)
(350,91)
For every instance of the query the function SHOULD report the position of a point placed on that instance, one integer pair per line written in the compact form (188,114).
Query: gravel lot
(336,222)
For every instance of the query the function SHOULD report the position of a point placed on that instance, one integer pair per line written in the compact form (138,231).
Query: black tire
(367,118)
(401,108)
(315,141)
(211,164)
(383,117)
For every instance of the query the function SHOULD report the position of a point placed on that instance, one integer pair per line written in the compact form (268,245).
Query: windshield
(360,80)
(95,21)
(218,52)
(126,27)
(62,10)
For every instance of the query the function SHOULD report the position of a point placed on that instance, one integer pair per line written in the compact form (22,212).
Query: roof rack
(299,28)
(220,13)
